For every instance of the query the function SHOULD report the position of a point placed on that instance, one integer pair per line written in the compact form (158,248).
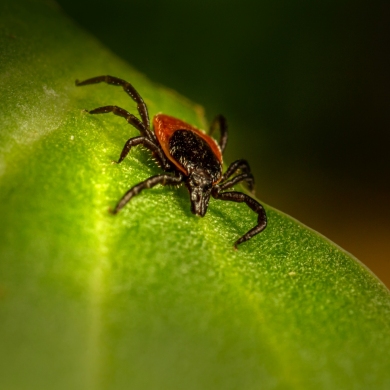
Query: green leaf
(152,298)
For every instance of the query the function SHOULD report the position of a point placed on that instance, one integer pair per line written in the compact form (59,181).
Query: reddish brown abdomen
(189,137)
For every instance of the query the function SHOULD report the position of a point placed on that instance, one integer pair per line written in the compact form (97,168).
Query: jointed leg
(241,165)
(133,120)
(220,121)
(253,204)
(130,90)
(248,177)
(148,144)
(148,183)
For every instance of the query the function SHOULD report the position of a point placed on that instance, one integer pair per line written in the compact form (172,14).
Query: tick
(187,154)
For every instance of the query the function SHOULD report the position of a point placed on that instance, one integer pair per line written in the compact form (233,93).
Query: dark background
(304,85)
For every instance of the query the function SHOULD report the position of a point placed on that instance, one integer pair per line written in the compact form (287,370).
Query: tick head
(199,184)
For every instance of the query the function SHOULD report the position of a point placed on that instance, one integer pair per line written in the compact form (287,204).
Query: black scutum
(193,153)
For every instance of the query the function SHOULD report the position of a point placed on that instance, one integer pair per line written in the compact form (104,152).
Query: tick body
(187,155)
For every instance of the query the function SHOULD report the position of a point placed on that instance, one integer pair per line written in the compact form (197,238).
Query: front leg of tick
(247,177)
(238,165)
(239,197)
(148,183)
(163,161)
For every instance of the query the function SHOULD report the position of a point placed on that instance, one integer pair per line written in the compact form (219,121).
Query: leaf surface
(153,297)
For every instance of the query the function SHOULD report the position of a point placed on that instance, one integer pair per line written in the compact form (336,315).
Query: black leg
(248,177)
(241,165)
(253,204)
(131,91)
(148,183)
(133,120)
(220,121)
(163,161)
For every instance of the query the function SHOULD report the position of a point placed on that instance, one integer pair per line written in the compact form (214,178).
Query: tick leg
(220,121)
(248,177)
(133,120)
(253,204)
(148,183)
(243,166)
(130,90)
(163,161)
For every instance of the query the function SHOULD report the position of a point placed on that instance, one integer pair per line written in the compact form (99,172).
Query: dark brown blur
(304,85)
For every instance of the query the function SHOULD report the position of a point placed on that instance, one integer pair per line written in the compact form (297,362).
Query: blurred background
(304,85)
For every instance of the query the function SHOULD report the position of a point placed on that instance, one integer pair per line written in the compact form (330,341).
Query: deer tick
(187,154)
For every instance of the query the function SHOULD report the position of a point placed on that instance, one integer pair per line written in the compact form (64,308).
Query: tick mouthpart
(199,201)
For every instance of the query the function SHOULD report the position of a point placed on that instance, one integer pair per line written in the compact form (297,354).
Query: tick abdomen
(193,153)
